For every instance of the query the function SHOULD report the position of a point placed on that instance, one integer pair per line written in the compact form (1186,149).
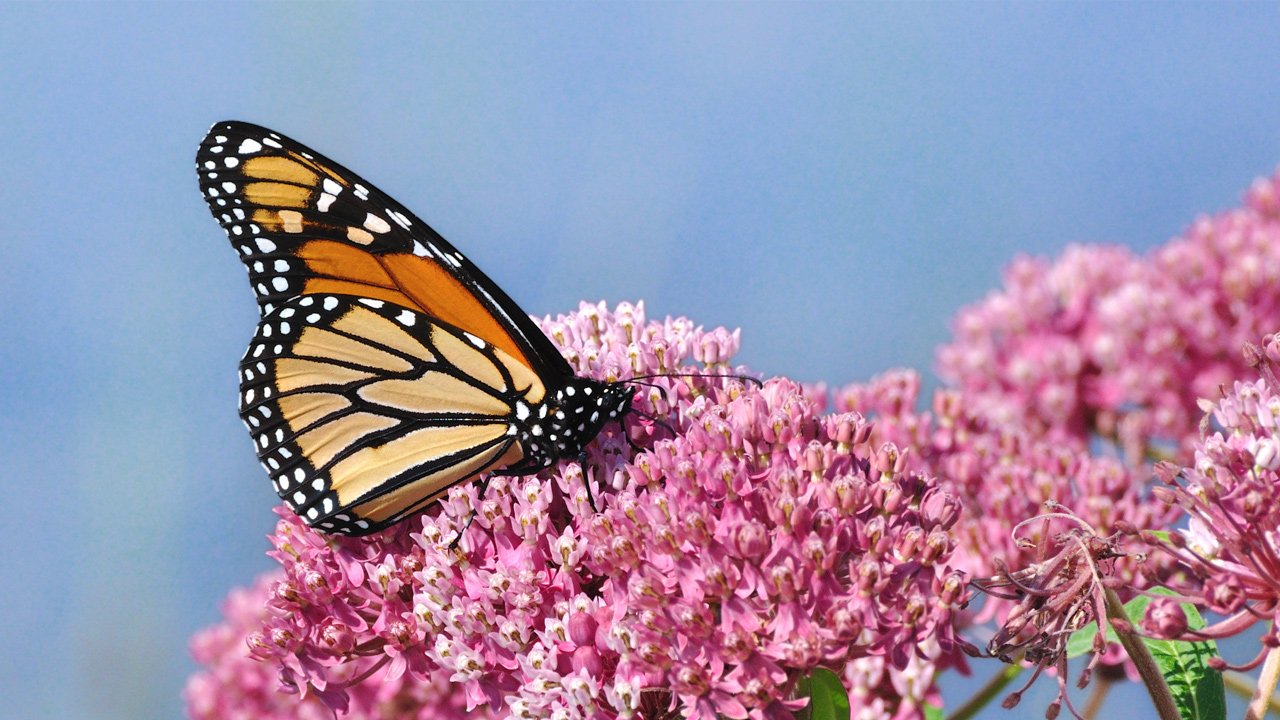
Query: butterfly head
(575,414)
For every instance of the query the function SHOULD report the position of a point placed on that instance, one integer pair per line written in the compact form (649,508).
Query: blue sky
(834,179)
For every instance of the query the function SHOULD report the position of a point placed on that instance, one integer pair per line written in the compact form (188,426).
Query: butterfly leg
(484,485)
(582,462)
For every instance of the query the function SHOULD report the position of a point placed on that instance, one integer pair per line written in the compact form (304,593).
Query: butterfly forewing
(305,225)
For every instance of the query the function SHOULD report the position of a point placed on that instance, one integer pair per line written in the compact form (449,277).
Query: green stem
(1266,686)
(1166,708)
(987,692)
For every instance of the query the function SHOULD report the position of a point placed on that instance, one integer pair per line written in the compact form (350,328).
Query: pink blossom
(1102,342)
(236,684)
(1003,475)
(752,540)
(1232,492)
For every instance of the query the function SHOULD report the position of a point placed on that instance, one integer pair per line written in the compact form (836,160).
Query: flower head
(1004,474)
(1232,493)
(1103,343)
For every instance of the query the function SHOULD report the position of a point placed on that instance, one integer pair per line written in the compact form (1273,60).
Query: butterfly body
(385,368)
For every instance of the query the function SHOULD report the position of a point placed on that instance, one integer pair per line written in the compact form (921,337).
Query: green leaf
(933,713)
(828,700)
(1196,687)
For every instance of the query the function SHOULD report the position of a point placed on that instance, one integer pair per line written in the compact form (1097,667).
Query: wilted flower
(1062,591)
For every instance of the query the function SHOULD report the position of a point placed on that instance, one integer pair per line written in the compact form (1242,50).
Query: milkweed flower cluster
(1104,343)
(236,684)
(753,540)
(1004,475)
(1232,493)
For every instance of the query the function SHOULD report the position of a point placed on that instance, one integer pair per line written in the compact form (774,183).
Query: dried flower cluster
(753,541)
(1063,590)
(1105,343)
(1232,493)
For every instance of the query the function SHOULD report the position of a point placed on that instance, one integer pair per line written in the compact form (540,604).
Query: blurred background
(836,180)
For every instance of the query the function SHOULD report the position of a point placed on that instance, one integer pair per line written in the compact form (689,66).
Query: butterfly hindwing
(305,225)
(363,411)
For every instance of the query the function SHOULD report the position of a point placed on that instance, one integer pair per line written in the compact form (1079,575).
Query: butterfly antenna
(745,378)
(665,397)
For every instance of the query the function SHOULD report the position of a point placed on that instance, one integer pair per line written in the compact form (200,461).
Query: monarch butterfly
(386,368)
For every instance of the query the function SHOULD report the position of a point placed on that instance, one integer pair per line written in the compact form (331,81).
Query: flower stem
(1166,708)
(1266,686)
(987,692)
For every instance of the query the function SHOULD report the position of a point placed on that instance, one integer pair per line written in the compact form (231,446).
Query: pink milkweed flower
(1101,342)
(1232,493)
(1003,474)
(703,557)
(236,683)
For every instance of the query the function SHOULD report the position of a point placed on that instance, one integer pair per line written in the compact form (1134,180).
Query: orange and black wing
(386,368)
(305,225)
(363,411)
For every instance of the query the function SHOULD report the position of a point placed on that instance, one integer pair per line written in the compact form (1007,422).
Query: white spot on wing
(406,318)
(249,146)
(265,245)
(376,224)
(332,187)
